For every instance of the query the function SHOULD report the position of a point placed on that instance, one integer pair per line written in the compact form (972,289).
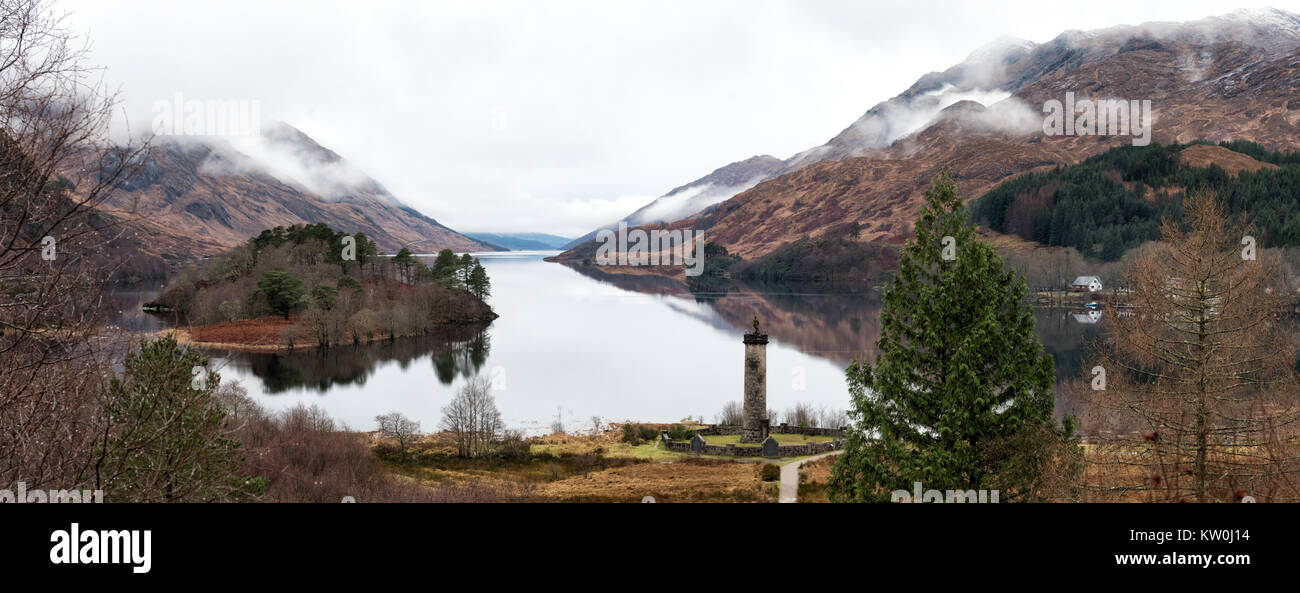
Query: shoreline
(183,335)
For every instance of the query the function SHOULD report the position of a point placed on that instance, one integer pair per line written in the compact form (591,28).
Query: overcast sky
(556,116)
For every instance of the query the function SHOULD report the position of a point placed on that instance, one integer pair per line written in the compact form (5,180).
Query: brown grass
(691,480)
(1204,155)
(580,468)
(812,479)
(246,334)
(304,459)
(1129,472)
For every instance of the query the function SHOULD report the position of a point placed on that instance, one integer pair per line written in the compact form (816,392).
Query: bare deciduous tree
(56,170)
(732,414)
(802,414)
(473,419)
(828,417)
(1194,389)
(398,427)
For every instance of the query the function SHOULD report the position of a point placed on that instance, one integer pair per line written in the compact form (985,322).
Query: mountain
(1230,77)
(983,78)
(522,241)
(687,199)
(198,196)
(1003,67)
(976,78)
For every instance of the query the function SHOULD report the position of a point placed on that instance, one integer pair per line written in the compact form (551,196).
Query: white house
(1088,283)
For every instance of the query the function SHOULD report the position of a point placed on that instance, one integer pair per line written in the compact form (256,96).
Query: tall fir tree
(960,395)
(478,283)
(464,268)
(444,268)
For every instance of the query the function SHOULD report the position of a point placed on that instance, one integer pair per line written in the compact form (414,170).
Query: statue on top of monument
(756,324)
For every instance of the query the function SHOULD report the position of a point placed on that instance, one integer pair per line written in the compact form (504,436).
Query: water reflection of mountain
(839,327)
(845,327)
(644,283)
(453,351)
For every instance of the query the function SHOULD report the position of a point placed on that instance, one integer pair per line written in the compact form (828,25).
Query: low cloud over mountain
(1219,78)
(196,196)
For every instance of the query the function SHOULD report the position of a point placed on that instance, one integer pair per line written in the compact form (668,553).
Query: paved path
(790,477)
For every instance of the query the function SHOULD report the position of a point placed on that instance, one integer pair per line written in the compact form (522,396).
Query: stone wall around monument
(717,430)
(733,450)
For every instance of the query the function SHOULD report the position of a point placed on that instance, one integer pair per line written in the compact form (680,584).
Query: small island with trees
(310,286)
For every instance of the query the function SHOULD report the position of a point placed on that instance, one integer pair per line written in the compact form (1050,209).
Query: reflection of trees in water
(454,350)
(1066,339)
(463,358)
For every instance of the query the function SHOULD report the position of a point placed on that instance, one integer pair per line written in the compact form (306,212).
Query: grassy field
(687,480)
(588,468)
(577,446)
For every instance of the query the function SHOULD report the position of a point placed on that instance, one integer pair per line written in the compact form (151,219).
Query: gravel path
(790,477)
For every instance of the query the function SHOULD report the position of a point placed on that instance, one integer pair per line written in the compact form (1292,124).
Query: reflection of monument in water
(756,423)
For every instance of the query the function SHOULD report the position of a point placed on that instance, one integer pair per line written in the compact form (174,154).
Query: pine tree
(478,281)
(166,437)
(367,250)
(283,290)
(444,268)
(464,268)
(405,260)
(960,395)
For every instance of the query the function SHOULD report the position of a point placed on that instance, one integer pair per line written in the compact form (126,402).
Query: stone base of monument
(756,434)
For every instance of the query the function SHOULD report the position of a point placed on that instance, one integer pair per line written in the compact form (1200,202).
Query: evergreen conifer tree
(960,395)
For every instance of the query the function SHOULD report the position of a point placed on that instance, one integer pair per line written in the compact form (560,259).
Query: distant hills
(1229,77)
(522,241)
(193,197)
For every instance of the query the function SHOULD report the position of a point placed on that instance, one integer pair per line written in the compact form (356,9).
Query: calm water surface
(576,344)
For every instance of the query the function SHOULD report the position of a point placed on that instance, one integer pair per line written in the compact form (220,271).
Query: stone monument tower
(755,428)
